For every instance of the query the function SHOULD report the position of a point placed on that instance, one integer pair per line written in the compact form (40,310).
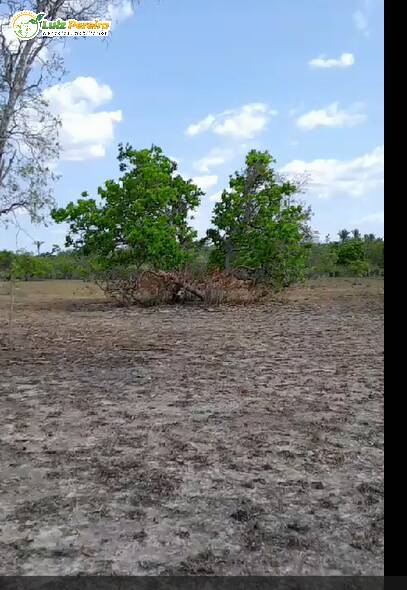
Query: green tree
(38,244)
(259,226)
(141,220)
(370,238)
(360,268)
(351,251)
(322,260)
(374,253)
(56,249)
(344,235)
(28,267)
(6,263)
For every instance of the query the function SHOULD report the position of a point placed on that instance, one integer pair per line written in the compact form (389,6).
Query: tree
(370,238)
(356,234)
(38,244)
(344,235)
(374,253)
(360,268)
(322,259)
(258,225)
(27,267)
(351,251)
(142,219)
(6,263)
(28,131)
(56,250)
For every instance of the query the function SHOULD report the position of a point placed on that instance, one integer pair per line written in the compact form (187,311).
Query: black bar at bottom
(200,583)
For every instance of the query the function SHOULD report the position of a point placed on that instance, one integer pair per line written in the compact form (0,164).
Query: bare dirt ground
(234,440)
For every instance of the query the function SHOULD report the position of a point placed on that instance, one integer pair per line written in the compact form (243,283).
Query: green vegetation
(259,226)
(351,255)
(141,220)
(322,260)
(260,231)
(25,266)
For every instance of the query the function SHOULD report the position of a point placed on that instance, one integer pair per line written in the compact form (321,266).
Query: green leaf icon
(33,21)
(40,16)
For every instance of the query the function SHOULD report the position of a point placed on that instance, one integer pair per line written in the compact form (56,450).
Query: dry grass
(54,292)
(57,293)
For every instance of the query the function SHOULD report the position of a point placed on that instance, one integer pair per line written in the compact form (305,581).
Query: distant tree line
(57,265)
(353,254)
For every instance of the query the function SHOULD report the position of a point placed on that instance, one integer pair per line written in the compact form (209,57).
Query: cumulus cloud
(216,157)
(86,132)
(341,178)
(216,197)
(205,125)
(206,182)
(346,60)
(331,116)
(244,123)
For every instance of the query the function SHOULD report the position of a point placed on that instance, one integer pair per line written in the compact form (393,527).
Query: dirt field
(192,441)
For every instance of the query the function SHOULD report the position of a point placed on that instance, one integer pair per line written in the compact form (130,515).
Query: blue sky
(208,80)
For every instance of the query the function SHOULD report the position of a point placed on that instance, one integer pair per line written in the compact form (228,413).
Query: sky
(208,80)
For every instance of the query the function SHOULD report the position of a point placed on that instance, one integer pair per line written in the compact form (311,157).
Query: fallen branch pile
(149,288)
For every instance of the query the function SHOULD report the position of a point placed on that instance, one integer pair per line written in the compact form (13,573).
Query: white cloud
(216,157)
(246,122)
(206,182)
(120,12)
(346,60)
(340,178)
(204,125)
(85,132)
(216,197)
(78,95)
(361,22)
(331,116)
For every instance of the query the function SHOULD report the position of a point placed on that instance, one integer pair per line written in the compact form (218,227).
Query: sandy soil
(192,441)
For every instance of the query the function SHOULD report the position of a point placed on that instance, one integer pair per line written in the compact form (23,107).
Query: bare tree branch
(27,148)
(11,208)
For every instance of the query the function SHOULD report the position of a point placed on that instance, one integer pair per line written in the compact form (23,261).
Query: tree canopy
(259,225)
(142,219)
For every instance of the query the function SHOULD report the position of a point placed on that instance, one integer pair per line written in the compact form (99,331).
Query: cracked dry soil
(188,441)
